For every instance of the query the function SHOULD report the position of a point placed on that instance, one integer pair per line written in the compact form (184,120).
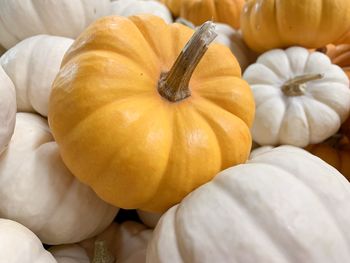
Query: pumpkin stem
(296,86)
(102,254)
(174,84)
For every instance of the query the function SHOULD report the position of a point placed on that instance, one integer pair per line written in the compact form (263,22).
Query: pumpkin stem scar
(102,254)
(174,84)
(296,86)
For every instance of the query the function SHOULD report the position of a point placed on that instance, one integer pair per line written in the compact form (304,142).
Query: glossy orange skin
(199,11)
(117,134)
(338,157)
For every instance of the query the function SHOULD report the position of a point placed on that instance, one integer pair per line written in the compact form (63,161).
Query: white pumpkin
(283,206)
(32,65)
(301,97)
(22,19)
(19,245)
(259,150)
(38,191)
(135,7)
(126,243)
(7,109)
(148,218)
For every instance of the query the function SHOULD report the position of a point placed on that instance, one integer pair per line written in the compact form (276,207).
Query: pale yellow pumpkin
(141,133)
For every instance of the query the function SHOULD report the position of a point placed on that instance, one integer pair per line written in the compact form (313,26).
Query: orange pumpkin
(345,39)
(335,151)
(143,125)
(199,11)
(270,24)
(340,55)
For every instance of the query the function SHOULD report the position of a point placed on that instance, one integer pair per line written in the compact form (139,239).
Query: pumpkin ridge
(146,35)
(98,182)
(28,79)
(97,112)
(152,196)
(177,118)
(103,41)
(38,14)
(283,121)
(315,192)
(207,100)
(13,33)
(103,56)
(270,83)
(323,101)
(181,249)
(88,116)
(210,97)
(308,115)
(148,202)
(260,224)
(206,119)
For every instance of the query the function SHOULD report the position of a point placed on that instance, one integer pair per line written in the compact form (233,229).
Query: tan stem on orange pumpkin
(296,86)
(174,84)
(102,254)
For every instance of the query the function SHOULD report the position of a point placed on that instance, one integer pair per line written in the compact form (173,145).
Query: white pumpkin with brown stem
(22,19)
(38,191)
(301,97)
(20,245)
(283,206)
(32,65)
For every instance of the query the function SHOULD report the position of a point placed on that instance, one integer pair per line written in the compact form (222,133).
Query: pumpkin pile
(174,131)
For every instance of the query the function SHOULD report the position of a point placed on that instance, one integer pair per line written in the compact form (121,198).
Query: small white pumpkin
(301,97)
(7,109)
(38,191)
(20,245)
(22,19)
(135,7)
(148,218)
(126,243)
(284,205)
(32,65)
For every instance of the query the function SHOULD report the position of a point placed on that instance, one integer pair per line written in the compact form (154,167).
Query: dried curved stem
(174,84)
